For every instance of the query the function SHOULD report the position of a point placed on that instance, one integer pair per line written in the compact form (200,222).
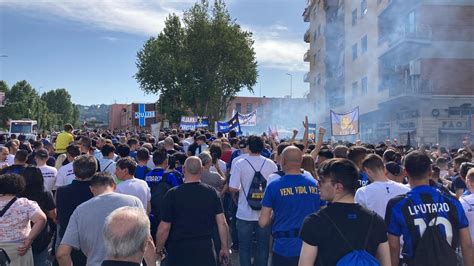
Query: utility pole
(291,84)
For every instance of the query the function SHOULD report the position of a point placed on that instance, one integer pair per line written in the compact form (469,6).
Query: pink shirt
(15,223)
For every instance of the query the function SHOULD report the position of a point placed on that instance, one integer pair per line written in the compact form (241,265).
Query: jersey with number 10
(409,215)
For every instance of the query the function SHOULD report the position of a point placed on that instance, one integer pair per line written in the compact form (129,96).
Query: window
(318,54)
(315,36)
(354,89)
(378,2)
(363,45)
(354,17)
(363,8)
(249,108)
(319,30)
(238,107)
(319,79)
(411,22)
(363,86)
(354,51)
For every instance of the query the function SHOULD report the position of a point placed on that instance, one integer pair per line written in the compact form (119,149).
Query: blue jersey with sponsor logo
(154,176)
(292,198)
(408,216)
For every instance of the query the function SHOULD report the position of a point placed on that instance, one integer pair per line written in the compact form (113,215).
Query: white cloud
(275,51)
(281,54)
(147,18)
(109,38)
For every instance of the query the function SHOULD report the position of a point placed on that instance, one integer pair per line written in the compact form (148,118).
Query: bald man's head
(291,159)
(126,232)
(192,167)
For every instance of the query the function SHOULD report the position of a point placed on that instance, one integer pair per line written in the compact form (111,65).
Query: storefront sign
(410,125)
(407,114)
(461,124)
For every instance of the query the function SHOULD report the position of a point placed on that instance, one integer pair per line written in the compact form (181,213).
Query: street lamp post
(291,84)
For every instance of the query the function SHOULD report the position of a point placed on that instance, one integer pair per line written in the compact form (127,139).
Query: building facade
(127,116)
(408,65)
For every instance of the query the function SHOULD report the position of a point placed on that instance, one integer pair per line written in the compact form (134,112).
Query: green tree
(3,86)
(198,67)
(59,103)
(3,114)
(22,101)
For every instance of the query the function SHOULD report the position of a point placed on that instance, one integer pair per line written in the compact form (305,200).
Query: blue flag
(202,121)
(226,127)
(142,115)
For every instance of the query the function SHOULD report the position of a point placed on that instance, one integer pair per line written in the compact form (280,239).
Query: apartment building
(408,65)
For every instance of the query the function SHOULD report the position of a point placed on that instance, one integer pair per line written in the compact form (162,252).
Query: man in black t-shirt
(343,226)
(189,215)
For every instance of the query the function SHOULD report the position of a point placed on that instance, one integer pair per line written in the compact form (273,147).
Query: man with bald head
(126,236)
(291,198)
(192,209)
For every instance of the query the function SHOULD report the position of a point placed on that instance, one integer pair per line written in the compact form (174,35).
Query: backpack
(44,238)
(158,191)
(355,257)
(254,195)
(435,244)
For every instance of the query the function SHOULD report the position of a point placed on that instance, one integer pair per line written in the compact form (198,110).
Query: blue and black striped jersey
(408,216)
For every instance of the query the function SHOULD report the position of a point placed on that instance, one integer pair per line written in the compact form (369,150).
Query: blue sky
(89,46)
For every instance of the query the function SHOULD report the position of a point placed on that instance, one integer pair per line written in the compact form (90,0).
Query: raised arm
(319,143)
(293,138)
(306,133)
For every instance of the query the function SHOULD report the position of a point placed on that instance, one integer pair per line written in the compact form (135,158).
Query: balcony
(306,56)
(419,33)
(404,43)
(307,36)
(307,14)
(307,77)
(398,8)
(414,88)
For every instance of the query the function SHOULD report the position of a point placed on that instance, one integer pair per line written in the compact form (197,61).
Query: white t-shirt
(10,159)
(65,175)
(376,195)
(107,165)
(241,178)
(49,176)
(242,156)
(468,206)
(150,163)
(222,165)
(135,187)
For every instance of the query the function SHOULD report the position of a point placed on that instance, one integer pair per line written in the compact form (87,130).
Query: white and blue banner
(193,122)
(248,120)
(142,115)
(226,127)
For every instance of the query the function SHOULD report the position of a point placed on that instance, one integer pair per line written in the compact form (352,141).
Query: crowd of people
(111,197)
